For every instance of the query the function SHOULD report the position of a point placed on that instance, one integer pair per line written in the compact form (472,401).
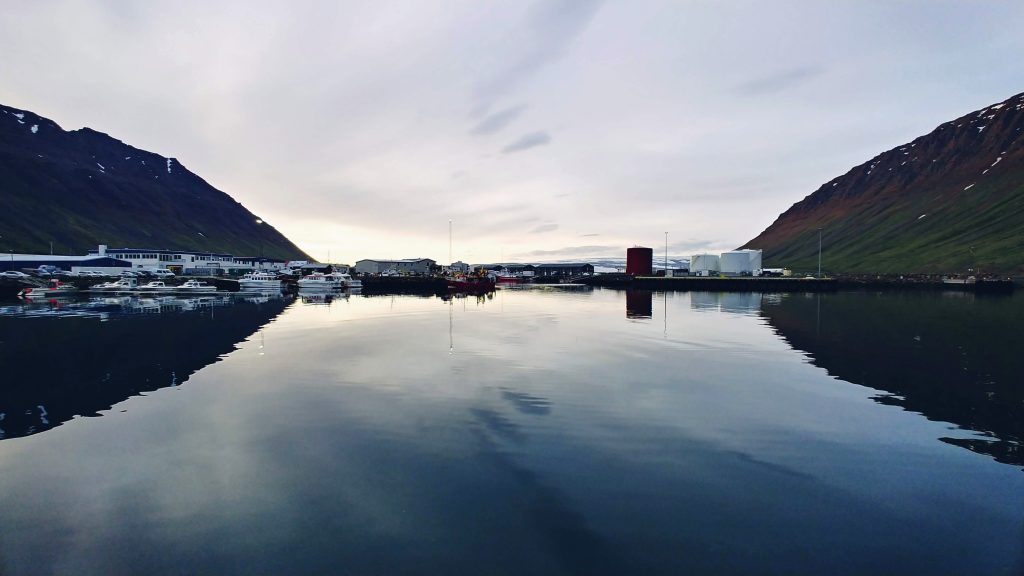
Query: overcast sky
(547,130)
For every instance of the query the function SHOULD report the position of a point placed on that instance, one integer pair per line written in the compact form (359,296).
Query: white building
(704,264)
(186,261)
(740,262)
(407,266)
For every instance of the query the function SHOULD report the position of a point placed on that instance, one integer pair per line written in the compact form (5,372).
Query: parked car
(163,273)
(14,274)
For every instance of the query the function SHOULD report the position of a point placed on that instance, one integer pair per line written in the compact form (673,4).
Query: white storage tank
(741,262)
(704,264)
(755,259)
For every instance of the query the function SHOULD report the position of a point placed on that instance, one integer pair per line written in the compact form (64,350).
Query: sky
(553,130)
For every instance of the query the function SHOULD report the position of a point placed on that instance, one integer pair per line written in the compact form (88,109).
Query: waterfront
(540,431)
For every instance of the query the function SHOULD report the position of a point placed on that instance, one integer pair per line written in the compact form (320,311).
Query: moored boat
(195,287)
(321,281)
(471,284)
(259,281)
(122,285)
(154,286)
(53,288)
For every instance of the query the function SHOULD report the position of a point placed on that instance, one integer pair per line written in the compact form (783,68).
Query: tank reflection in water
(535,431)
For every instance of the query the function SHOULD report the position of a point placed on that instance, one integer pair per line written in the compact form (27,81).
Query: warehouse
(419,266)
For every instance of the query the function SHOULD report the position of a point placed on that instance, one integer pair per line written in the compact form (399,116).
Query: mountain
(82,188)
(948,201)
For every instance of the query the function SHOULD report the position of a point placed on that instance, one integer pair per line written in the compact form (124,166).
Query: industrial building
(565,269)
(704,264)
(104,264)
(740,263)
(420,266)
(187,262)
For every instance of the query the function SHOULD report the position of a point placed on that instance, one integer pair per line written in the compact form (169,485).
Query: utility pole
(666,254)
(449,242)
(819,252)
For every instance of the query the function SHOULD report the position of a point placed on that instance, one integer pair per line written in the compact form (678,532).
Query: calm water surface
(541,431)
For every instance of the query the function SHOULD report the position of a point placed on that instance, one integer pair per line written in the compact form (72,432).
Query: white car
(14,274)
(163,273)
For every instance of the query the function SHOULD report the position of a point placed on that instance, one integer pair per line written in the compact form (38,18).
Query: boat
(53,288)
(155,285)
(321,281)
(471,284)
(957,281)
(350,282)
(122,285)
(195,287)
(260,281)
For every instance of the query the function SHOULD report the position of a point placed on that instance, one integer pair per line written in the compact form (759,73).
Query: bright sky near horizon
(544,130)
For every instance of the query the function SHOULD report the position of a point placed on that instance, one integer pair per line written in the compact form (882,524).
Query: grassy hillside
(946,202)
(82,188)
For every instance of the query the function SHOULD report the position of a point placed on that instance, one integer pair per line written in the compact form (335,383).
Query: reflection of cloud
(498,424)
(527,141)
(527,403)
(779,81)
(497,121)
(549,227)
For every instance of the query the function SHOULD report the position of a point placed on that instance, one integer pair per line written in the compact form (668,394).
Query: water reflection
(639,303)
(75,357)
(951,357)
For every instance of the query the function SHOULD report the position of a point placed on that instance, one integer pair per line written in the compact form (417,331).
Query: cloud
(573,251)
(542,37)
(549,227)
(527,141)
(779,81)
(589,235)
(498,121)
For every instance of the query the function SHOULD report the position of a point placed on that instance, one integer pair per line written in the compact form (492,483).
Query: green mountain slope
(949,201)
(82,188)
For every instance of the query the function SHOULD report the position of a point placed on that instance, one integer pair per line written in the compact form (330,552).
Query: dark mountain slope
(82,188)
(946,202)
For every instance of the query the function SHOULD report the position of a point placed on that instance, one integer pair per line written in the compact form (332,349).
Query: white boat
(154,286)
(195,287)
(321,281)
(122,285)
(350,282)
(259,281)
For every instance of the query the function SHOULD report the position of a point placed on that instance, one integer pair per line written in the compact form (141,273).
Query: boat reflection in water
(72,357)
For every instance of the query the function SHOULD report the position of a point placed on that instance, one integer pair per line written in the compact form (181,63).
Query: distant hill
(82,188)
(946,202)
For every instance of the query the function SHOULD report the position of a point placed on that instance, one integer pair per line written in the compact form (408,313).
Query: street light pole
(819,252)
(666,254)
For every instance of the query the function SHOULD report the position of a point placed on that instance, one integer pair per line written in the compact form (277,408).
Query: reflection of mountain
(951,357)
(104,362)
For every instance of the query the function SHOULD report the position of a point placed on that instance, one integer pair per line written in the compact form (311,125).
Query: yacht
(350,282)
(154,286)
(196,287)
(122,285)
(259,281)
(321,281)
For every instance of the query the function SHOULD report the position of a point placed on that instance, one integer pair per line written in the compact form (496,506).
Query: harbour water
(539,431)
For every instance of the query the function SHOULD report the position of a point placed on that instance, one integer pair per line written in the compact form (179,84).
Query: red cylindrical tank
(639,261)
